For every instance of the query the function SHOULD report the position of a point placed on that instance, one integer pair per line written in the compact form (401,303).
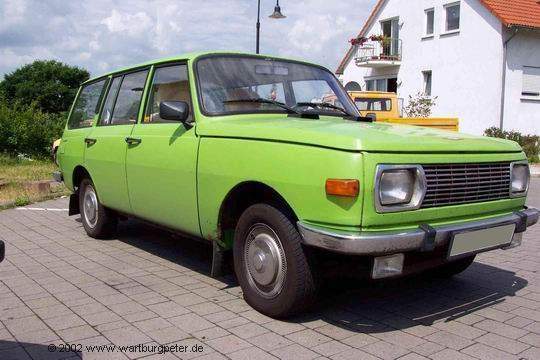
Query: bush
(420,105)
(529,143)
(25,129)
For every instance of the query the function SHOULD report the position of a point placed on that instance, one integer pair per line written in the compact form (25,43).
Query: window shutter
(531,81)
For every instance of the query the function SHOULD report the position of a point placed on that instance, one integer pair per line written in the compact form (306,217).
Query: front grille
(451,184)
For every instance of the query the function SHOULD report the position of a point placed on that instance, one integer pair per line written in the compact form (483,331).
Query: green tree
(50,84)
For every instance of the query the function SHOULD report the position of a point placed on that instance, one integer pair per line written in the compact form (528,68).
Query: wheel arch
(79,173)
(239,198)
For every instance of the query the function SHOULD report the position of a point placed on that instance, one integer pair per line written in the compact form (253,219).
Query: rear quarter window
(87,105)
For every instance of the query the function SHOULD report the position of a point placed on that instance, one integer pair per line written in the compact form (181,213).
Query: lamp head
(277,12)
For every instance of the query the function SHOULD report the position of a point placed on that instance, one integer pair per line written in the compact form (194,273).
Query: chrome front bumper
(423,238)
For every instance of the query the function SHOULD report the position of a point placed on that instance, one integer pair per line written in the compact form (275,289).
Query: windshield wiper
(331,106)
(288,109)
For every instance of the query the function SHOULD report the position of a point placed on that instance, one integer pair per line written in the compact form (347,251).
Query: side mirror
(174,110)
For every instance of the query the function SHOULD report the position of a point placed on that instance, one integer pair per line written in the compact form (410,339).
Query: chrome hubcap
(265,261)
(90,206)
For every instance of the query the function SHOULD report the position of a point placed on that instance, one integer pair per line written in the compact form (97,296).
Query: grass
(15,173)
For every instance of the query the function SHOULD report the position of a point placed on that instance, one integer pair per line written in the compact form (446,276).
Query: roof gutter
(503,90)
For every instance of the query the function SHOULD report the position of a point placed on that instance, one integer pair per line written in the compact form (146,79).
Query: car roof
(192,56)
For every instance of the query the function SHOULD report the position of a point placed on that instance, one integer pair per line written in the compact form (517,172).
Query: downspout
(503,91)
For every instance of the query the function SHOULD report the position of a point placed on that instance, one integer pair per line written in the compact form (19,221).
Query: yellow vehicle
(54,150)
(384,107)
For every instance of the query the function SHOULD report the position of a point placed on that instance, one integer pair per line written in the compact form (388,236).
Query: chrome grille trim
(453,184)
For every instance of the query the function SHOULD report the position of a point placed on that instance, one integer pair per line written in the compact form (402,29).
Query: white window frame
(375,78)
(425,75)
(530,83)
(426,34)
(445,15)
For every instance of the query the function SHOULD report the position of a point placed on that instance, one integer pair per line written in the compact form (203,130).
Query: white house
(480,58)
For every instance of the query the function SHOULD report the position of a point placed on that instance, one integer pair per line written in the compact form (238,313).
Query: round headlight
(520,178)
(396,186)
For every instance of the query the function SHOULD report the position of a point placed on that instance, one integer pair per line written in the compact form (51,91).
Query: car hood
(337,133)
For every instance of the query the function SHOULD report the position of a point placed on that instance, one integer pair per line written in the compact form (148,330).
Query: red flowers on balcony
(362,40)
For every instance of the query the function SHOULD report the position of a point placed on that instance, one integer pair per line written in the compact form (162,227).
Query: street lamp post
(275,15)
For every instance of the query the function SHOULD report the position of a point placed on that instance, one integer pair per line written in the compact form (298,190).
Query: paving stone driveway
(57,286)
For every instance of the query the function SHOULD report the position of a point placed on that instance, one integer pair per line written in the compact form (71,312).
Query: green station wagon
(240,150)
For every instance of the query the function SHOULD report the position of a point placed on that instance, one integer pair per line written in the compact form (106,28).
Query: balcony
(378,53)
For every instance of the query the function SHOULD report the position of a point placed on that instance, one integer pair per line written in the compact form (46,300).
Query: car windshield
(236,84)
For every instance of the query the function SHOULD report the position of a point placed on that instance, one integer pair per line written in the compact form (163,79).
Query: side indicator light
(342,187)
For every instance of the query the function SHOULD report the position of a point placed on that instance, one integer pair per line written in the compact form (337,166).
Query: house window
(430,21)
(376,85)
(452,16)
(382,84)
(531,81)
(370,86)
(427,82)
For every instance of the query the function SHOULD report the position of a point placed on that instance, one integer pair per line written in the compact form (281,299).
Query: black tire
(297,288)
(104,224)
(454,267)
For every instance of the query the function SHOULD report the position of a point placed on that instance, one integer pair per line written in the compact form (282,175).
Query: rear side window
(87,105)
(128,101)
(123,99)
(106,113)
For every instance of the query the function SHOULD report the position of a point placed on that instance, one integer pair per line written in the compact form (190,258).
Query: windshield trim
(267,111)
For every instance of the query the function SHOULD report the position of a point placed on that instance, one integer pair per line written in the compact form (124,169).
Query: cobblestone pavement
(58,286)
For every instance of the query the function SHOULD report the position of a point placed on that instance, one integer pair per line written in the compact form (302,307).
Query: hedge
(529,143)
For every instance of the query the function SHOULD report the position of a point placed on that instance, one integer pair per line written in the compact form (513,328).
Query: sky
(102,35)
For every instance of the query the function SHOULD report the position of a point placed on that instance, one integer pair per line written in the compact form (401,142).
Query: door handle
(133,141)
(90,141)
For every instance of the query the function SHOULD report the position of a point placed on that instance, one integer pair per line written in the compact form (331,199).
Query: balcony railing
(379,53)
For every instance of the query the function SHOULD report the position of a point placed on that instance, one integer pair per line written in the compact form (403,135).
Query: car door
(106,145)
(161,162)
(83,116)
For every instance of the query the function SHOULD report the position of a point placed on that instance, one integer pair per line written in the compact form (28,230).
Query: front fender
(297,172)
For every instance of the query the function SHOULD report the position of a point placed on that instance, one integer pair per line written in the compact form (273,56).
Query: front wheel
(270,263)
(98,221)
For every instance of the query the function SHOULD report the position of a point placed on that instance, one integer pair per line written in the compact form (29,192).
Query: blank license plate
(479,240)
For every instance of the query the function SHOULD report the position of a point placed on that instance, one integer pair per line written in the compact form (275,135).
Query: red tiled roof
(523,13)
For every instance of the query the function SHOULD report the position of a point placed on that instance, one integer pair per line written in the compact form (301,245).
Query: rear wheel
(98,221)
(455,267)
(270,264)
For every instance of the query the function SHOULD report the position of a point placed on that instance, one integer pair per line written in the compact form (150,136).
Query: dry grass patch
(16,176)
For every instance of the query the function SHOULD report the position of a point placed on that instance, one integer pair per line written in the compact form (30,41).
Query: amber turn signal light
(342,187)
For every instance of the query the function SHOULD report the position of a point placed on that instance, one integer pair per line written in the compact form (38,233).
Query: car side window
(87,105)
(126,107)
(170,83)
(106,113)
